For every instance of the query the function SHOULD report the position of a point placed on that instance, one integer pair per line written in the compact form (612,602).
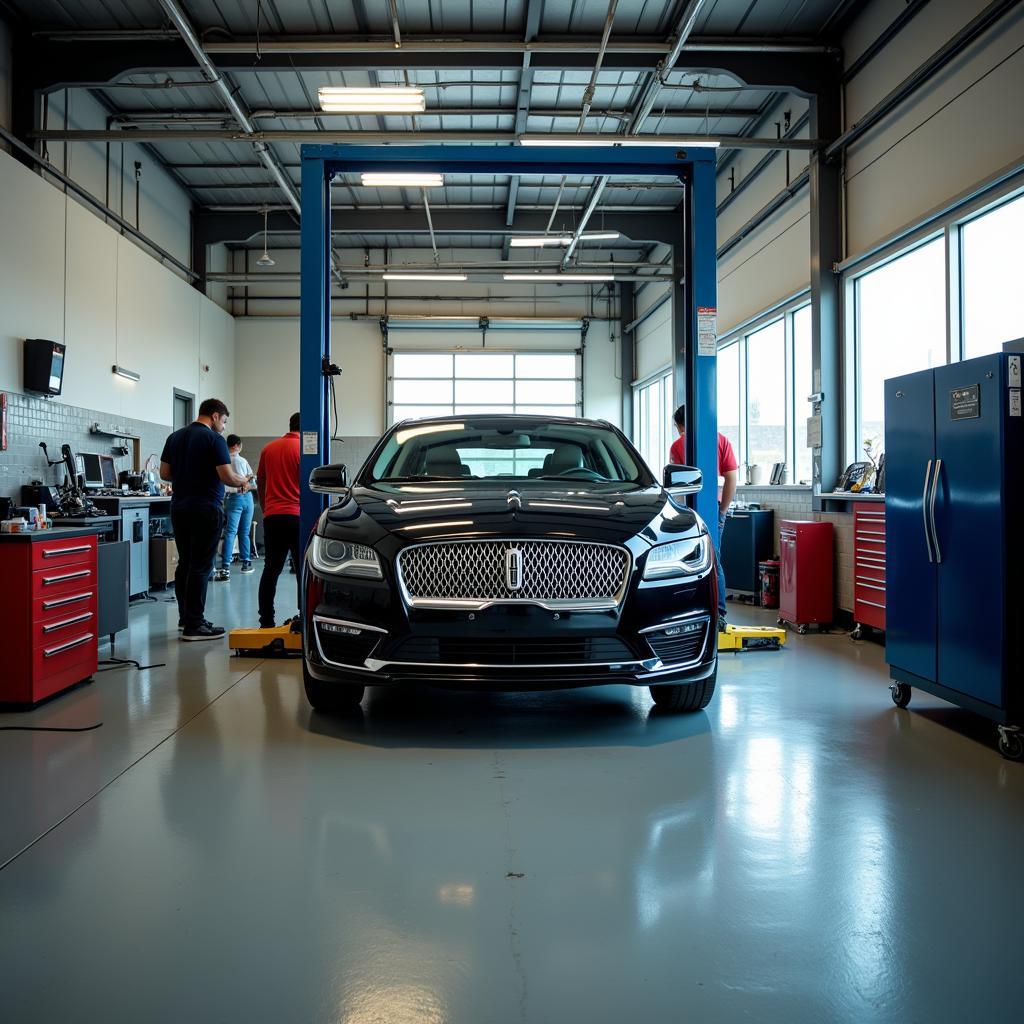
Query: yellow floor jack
(751,638)
(283,641)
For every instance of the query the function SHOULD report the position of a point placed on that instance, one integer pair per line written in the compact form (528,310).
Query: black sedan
(513,553)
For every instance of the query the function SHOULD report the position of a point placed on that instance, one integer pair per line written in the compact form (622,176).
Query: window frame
(663,379)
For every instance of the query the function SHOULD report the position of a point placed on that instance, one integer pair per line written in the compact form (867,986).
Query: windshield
(509,449)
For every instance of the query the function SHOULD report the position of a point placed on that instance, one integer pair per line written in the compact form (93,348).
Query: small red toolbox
(868,566)
(806,576)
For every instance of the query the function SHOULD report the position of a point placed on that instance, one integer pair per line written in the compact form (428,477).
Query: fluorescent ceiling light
(558,277)
(410,179)
(534,242)
(127,374)
(392,275)
(678,142)
(388,100)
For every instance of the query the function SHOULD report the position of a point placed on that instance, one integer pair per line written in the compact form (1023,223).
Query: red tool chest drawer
(49,554)
(48,605)
(869,565)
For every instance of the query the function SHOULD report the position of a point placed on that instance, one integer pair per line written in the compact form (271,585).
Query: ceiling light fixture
(559,277)
(392,275)
(121,371)
(534,242)
(265,260)
(676,142)
(335,99)
(408,179)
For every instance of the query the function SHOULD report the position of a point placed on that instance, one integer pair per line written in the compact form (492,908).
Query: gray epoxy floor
(801,852)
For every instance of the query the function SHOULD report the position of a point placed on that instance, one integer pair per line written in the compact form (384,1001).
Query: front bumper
(662,634)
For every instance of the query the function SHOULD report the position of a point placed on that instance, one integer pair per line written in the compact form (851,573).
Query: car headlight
(340,558)
(680,558)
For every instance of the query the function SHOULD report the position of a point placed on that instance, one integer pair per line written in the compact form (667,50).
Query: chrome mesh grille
(551,571)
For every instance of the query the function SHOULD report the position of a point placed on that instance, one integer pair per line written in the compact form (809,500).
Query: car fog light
(333,627)
(690,627)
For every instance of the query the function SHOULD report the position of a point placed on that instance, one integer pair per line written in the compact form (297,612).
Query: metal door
(910,589)
(968,517)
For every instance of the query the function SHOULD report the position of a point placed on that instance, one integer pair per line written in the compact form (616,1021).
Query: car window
(519,449)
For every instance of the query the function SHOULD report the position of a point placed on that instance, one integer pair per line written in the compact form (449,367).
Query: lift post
(694,296)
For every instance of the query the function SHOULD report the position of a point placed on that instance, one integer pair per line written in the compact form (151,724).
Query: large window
(728,373)
(653,431)
(803,388)
(901,327)
(992,253)
(460,383)
(766,396)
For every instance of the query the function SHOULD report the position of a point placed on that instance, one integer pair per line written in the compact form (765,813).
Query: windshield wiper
(417,479)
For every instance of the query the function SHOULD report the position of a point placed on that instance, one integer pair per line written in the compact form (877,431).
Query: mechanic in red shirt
(277,481)
(728,470)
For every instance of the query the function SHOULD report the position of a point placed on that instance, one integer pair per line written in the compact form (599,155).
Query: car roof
(506,417)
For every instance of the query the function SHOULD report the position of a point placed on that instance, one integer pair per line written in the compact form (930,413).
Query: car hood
(420,512)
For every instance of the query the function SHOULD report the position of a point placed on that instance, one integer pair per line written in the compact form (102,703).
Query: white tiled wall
(795,503)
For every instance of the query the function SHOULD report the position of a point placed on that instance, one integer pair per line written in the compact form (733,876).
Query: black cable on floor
(47,728)
(121,662)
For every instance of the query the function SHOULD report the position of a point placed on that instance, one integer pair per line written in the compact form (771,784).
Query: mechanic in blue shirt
(196,461)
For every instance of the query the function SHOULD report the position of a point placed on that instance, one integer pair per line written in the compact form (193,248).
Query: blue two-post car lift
(694,360)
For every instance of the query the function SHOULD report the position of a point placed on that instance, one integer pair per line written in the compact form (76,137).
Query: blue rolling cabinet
(954,442)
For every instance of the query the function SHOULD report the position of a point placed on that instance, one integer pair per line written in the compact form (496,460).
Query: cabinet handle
(874,604)
(54,626)
(47,580)
(52,651)
(870,586)
(59,602)
(931,509)
(924,511)
(57,552)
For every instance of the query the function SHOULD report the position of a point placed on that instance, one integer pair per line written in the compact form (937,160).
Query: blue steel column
(701,370)
(314,332)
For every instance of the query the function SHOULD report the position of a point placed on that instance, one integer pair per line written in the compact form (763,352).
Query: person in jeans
(278,483)
(728,470)
(238,508)
(195,460)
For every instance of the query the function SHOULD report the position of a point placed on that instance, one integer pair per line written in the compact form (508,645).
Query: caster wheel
(802,629)
(780,622)
(857,634)
(900,694)
(1011,745)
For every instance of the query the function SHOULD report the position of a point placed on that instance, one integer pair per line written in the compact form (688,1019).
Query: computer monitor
(91,469)
(107,471)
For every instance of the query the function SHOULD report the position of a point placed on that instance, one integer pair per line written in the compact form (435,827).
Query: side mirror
(679,480)
(332,479)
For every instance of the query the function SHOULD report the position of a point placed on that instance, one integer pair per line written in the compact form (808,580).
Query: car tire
(685,697)
(330,697)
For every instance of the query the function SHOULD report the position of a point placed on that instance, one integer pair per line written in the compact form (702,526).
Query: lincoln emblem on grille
(513,568)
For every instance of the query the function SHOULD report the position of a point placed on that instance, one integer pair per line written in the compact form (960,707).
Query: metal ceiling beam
(151,115)
(237,226)
(300,135)
(326,44)
(58,65)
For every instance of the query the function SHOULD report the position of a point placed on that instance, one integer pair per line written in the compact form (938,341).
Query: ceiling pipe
(687,19)
(180,21)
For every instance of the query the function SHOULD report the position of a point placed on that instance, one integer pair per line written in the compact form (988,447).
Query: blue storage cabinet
(954,442)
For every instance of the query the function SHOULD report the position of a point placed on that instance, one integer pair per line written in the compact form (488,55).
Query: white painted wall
(955,132)
(267,370)
(164,206)
(69,277)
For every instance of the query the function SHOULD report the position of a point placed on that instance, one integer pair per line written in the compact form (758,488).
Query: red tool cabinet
(868,566)
(48,609)
(806,573)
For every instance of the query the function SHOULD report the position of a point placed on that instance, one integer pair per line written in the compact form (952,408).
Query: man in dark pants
(277,481)
(195,460)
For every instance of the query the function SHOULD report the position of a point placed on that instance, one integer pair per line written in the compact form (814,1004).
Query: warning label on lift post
(707,331)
